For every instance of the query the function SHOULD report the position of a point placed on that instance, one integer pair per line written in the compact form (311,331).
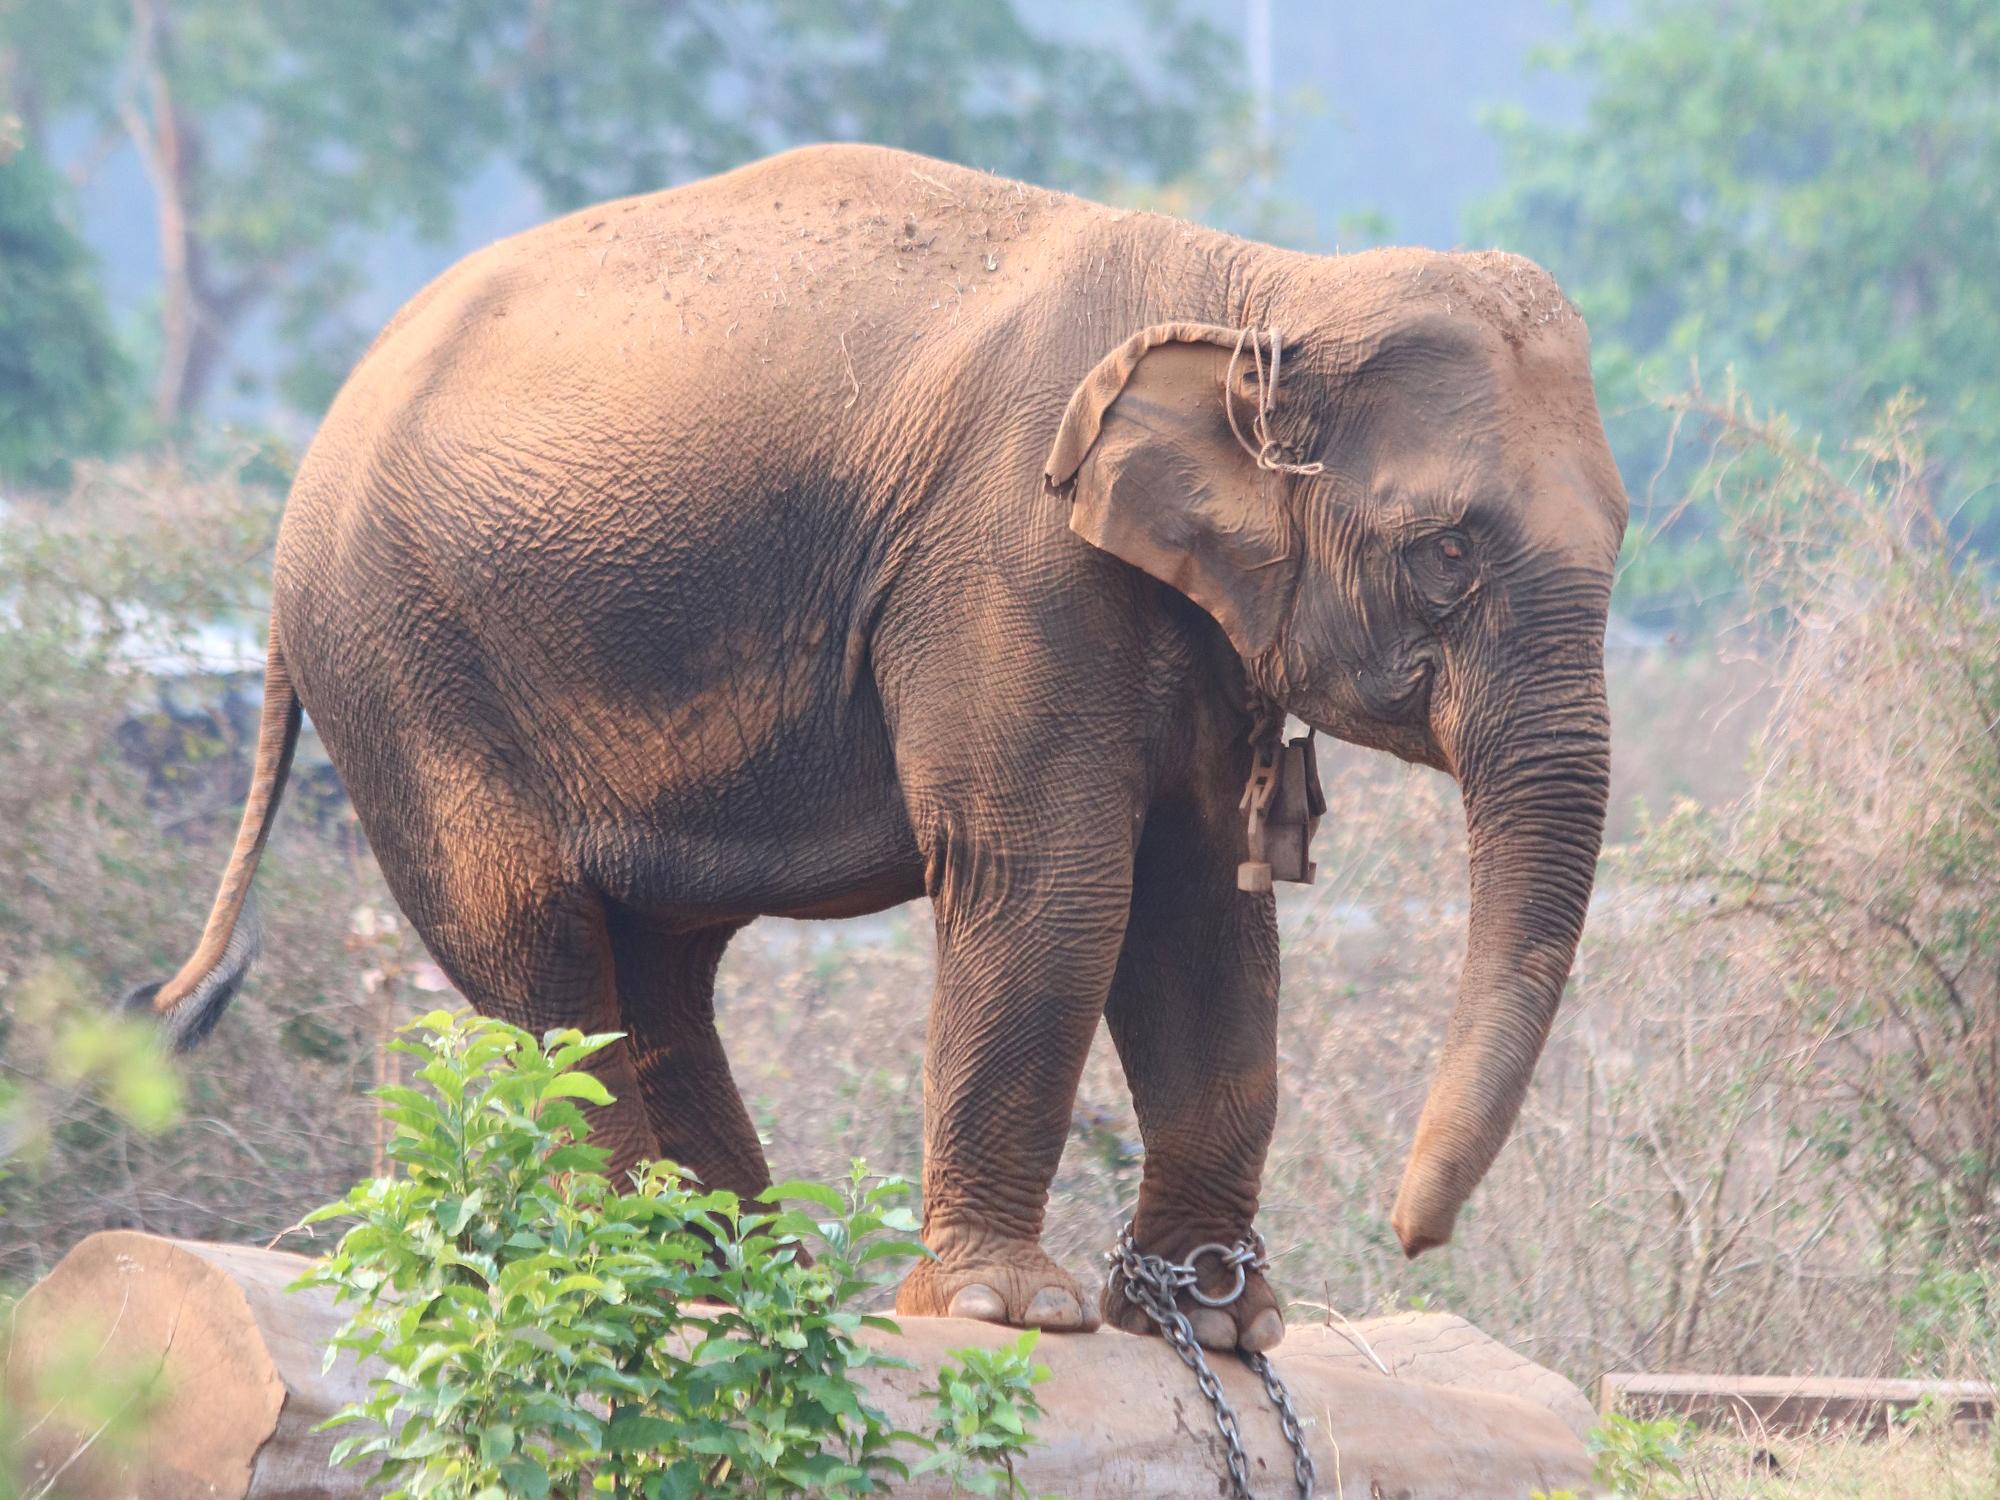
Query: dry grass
(1923,1462)
(118,801)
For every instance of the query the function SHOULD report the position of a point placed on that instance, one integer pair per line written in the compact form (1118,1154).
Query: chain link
(1153,1284)
(1280,1395)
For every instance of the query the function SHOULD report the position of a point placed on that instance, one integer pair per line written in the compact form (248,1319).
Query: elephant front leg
(1193,1011)
(1028,938)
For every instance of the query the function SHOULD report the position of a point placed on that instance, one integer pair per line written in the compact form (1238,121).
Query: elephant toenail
(976,1301)
(1266,1331)
(1054,1308)
(1213,1328)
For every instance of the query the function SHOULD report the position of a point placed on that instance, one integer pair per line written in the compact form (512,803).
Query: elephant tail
(189,1004)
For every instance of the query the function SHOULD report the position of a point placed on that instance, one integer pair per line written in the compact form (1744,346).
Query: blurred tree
(62,380)
(280,137)
(1805,189)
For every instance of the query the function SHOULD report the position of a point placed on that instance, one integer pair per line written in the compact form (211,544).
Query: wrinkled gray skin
(853,527)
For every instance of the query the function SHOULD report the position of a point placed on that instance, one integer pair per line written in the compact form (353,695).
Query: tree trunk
(1421,1406)
(195,319)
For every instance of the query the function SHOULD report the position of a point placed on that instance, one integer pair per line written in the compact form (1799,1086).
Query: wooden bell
(1284,803)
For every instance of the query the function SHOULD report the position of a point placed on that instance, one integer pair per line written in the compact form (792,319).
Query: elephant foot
(1252,1323)
(1011,1283)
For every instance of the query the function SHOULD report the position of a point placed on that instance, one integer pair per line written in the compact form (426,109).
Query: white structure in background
(1257,50)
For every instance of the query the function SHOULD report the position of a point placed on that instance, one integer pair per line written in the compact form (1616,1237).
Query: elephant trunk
(1534,803)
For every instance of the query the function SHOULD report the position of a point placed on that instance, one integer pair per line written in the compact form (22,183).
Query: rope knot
(1267,452)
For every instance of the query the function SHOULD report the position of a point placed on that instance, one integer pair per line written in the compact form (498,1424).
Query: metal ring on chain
(1152,1283)
(1235,1259)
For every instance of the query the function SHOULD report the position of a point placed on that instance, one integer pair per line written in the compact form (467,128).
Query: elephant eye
(1442,566)
(1448,553)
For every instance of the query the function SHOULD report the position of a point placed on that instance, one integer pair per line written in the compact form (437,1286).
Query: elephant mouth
(1413,700)
(1397,693)
(1400,701)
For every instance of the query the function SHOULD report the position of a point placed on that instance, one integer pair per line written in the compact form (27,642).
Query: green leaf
(576,1086)
(496,1441)
(813,1192)
(525,1479)
(453,1214)
(635,1432)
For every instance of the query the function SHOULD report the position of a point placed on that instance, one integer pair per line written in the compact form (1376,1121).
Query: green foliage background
(64,383)
(1803,190)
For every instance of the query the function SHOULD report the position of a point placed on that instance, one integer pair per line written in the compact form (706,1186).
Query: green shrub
(1639,1459)
(542,1330)
(1633,1459)
(984,1414)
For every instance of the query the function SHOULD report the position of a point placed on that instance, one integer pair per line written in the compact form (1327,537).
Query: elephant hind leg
(536,954)
(666,1006)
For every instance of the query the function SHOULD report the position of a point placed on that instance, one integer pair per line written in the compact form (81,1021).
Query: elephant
(853,527)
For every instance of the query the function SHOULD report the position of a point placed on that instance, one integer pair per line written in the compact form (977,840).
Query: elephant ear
(1161,481)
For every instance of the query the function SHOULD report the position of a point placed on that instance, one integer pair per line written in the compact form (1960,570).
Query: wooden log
(1787,1404)
(229,1360)
(1418,1407)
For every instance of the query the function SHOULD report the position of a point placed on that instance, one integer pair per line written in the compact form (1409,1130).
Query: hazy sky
(1400,86)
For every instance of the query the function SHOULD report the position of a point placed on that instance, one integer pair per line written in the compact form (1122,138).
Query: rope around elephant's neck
(1265,452)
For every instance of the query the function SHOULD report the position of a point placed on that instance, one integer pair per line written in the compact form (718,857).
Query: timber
(1787,1403)
(1421,1406)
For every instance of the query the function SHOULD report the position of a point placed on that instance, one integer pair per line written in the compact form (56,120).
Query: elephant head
(1403,513)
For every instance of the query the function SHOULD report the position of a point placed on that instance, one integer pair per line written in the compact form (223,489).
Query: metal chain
(1153,1284)
(1280,1395)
